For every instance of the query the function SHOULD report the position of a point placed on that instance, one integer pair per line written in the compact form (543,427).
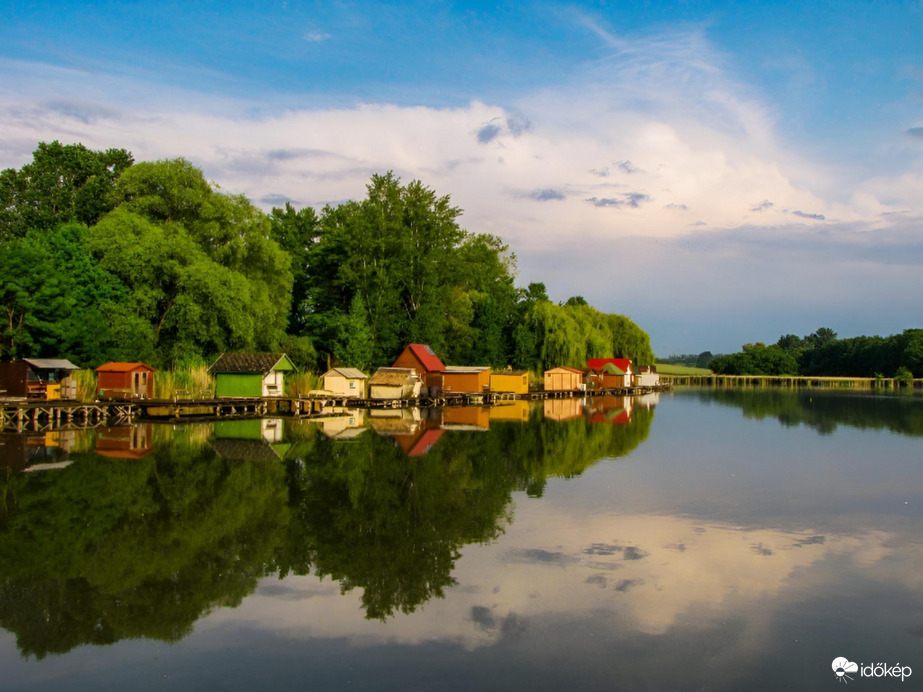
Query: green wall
(228,384)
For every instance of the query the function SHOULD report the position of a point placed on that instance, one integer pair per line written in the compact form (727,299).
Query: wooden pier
(783,381)
(28,415)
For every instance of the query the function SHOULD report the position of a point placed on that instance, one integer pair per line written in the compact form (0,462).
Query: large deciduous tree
(64,182)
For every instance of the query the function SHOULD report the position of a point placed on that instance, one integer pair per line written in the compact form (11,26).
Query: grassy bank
(681,370)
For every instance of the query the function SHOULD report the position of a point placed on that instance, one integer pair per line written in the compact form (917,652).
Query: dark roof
(261,363)
(51,363)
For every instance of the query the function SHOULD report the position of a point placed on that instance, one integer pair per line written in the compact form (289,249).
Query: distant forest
(822,353)
(102,258)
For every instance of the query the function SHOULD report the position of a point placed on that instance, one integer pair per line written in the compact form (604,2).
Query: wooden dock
(29,415)
(784,381)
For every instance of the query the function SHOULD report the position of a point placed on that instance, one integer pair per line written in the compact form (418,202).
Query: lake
(699,539)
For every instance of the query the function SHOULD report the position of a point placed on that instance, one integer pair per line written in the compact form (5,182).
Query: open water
(719,540)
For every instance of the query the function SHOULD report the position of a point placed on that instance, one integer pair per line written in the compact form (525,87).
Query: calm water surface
(700,540)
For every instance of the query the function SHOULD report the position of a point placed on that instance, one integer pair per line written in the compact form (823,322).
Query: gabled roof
(568,369)
(393,376)
(51,363)
(248,363)
(597,364)
(611,369)
(425,442)
(348,373)
(427,357)
(125,367)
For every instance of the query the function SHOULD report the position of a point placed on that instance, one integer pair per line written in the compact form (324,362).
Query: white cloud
(316,36)
(658,141)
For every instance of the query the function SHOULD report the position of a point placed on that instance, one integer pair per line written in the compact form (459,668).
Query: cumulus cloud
(659,120)
(518,124)
(489,133)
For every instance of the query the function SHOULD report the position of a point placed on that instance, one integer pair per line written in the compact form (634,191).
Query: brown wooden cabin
(125,381)
(38,378)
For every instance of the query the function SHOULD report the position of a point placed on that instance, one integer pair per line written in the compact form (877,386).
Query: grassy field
(681,370)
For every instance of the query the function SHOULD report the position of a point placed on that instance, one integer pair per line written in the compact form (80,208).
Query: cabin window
(352,385)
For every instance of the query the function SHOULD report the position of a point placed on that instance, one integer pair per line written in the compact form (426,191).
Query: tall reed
(299,384)
(85,381)
(189,379)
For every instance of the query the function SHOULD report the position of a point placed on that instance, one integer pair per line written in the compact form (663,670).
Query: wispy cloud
(916,132)
(546,195)
(316,36)
(805,215)
(631,199)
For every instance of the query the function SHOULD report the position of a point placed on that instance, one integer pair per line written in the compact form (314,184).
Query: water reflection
(824,410)
(150,527)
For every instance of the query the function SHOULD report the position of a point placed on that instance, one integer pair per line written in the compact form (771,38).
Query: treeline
(691,360)
(823,354)
(102,258)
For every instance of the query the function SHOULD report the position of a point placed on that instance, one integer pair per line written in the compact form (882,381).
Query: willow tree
(199,265)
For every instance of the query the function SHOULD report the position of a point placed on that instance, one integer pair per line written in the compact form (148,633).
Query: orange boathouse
(125,381)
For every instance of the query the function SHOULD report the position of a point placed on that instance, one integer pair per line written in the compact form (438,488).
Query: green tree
(199,266)
(296,232)
(62,183)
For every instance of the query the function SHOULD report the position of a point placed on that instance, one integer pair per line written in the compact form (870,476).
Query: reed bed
(299,384)
(187,380)
(85,381)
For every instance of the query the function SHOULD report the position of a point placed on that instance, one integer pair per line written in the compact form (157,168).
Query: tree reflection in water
(114,548)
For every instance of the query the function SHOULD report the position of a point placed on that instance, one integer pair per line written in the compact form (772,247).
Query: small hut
(394,383)
(424,361)
(245,375)
(623,364)
(38,378)
(609,377)
(516,382)
(348,382)
(648,376)
(564,379)
(125,381)
(465,379)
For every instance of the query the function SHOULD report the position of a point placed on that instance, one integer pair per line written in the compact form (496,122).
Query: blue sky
(722,172)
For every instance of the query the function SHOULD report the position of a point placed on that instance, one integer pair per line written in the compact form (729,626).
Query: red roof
(598,364)
(425,443)
(427,357)
(125,367)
